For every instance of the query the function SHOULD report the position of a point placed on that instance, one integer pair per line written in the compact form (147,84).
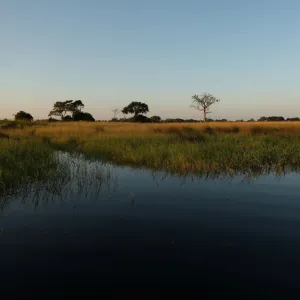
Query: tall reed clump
(25,161)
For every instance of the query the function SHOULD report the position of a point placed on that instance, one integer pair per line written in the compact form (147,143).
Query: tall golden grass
(84,130)
(178,147)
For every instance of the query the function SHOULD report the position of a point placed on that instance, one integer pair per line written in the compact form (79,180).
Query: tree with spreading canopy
(61,108)
(136,108)
(24,116)
(203,103)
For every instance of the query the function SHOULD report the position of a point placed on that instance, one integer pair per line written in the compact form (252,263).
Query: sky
(109,53)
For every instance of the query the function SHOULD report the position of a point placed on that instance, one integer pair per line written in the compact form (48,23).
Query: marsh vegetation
(190,208)
(27,150)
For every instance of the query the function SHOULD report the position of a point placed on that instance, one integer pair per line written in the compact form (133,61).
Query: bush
(22,115)
(270,119)
(67,119)
(155,119)
(138,119)
(82,116)
(9,125)
(52,120)
(293,119)
(141,119)
(174,120)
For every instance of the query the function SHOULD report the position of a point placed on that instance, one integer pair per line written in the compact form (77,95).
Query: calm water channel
(110,227)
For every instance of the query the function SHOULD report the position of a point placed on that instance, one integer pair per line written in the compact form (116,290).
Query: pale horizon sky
(161,52)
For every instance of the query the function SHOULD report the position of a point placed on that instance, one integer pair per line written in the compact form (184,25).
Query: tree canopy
(136,108)
(22,115)
(61,108)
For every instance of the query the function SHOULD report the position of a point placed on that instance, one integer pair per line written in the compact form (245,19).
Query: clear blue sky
(109,53)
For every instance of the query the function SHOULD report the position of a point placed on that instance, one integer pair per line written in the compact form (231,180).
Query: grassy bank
(179,148)
(25,161)
(226,153)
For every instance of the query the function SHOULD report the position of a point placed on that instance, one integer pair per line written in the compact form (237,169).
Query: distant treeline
(70,110)
(157,119)
(273,118)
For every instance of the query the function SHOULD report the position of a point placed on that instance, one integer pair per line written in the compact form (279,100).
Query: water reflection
(135,227)
(91,180)
(78,179)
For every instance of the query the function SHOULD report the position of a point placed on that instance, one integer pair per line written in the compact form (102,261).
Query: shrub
(155,119)
(22,115)
(82,116)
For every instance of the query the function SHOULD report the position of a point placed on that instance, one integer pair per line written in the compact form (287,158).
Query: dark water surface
(115,228)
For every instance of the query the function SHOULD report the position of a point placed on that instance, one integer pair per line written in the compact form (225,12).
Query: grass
(178,148)
(226,153)
(67,179)
(25,161)
(60,132)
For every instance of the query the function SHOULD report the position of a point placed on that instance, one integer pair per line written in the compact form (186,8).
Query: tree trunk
(204,115)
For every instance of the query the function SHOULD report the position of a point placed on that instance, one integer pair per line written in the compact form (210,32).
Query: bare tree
(203,102)
(115,111)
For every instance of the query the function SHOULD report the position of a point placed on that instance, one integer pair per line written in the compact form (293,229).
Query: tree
(203,103)
(136,108)
(22,115)
(62,108)
(82,116)
(293,119)
(77,105)
(115,111)
(155,119)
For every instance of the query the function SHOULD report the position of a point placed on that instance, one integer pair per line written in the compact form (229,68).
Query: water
(110,227)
